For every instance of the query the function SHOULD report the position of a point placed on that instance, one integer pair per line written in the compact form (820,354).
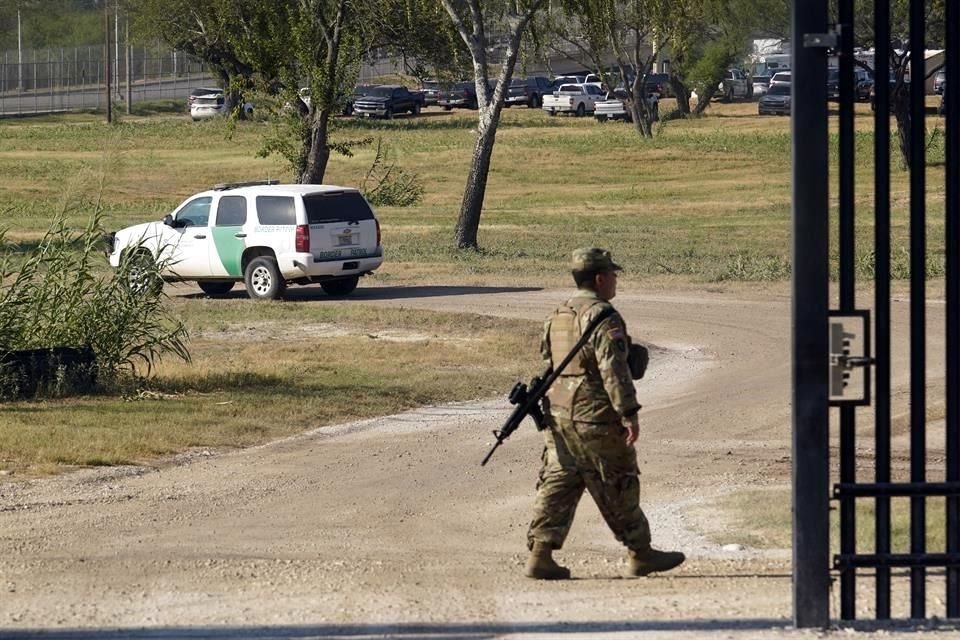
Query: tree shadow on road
(402,631)
(313,293)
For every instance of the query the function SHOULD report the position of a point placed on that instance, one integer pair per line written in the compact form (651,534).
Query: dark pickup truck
(387,100)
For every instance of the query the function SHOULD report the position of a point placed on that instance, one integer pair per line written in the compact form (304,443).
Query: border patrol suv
(263,234)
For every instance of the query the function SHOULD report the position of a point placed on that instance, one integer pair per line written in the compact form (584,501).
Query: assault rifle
(527,398)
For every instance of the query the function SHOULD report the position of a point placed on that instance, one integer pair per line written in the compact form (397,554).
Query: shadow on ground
(406,631)
(315,293)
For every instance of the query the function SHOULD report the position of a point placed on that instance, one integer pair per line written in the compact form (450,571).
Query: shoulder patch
(616,333)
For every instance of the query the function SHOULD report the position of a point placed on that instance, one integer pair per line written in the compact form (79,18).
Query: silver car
(776,101)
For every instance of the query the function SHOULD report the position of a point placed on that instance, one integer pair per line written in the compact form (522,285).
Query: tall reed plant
(57,294)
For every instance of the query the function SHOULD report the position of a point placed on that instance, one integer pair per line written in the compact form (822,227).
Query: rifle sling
(606,313)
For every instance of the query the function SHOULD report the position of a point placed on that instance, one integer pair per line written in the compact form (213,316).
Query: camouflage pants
(578,456)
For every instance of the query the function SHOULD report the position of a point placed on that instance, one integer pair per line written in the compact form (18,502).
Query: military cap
(593,259)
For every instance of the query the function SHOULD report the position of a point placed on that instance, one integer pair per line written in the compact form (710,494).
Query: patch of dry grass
(261,372)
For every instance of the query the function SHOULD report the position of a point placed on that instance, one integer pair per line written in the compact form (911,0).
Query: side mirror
(168,220)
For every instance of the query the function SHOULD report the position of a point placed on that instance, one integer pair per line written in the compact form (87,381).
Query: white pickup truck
(578,99)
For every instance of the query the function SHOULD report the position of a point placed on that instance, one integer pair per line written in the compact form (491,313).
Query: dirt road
(390,528)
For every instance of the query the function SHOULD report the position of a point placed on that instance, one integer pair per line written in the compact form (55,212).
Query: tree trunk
(468,223)
(682,93)
(318,153)
(900,101)
(640,108)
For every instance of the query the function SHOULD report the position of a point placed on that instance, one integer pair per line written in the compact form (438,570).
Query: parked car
(358,91)
(263,234)
(833,84)
(614,106)
(658,84)
(387,100)
(761,84)
(578,99)
(431,92)
(942,107)
(212,105)
(735,85)
(939,81)
(780,77)
(528,91)
(201,91)
(863,81)
(462,94)
(576,78)
(775,101)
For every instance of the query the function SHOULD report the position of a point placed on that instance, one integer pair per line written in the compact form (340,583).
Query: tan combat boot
(652,560)
(541,565)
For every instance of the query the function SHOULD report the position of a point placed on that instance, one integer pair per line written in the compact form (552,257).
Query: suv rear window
(348,206)
(276,210)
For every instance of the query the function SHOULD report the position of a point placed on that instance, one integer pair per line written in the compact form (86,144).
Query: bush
(56,294)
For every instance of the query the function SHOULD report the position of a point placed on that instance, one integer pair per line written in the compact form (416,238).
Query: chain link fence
(53,80)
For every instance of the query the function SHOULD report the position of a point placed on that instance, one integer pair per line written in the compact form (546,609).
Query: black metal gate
(837,362)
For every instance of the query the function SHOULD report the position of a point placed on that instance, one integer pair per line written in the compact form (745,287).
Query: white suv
(263,234)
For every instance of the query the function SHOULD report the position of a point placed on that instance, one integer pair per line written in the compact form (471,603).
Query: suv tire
(341,287)
(416,109)
(263,280)
(142,276)
(215,287)
(581,109)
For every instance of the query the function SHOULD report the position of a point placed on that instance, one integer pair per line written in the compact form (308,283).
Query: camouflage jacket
(596,385)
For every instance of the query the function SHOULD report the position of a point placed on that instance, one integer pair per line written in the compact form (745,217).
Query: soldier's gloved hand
(632,426)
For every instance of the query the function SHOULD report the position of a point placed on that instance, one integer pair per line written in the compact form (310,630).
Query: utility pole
(126,50)
(106,59)
(19,52)
(116,48)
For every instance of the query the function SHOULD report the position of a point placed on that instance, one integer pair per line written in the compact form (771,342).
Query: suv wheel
(142,276)
(215,287)
(534,101)
(581,110)
(388,114)
(416,109)
(263,280)
(342,287)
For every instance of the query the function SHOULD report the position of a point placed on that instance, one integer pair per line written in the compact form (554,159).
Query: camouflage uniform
(585,446)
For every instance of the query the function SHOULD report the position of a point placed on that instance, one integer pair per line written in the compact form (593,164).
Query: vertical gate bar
(952,249)
(848,462)
(810,300)
(881,150)
(918,315)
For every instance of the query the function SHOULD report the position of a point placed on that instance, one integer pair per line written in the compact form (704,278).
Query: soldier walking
(593,426)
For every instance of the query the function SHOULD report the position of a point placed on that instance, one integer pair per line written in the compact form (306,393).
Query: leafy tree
(624,30)
(472,20)
(203,29)
(900,58)
(706,37)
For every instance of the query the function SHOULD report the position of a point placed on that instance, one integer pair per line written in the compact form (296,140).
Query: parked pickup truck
(735,85)
(578,99)
(614,107)
(387,100)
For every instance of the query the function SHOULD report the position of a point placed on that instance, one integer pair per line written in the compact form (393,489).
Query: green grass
(706,200)
(762,519)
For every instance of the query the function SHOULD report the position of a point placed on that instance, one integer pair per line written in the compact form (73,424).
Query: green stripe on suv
(229,248)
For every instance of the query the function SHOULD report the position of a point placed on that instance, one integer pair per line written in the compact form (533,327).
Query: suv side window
(276,210)
(232,211)
(195,213)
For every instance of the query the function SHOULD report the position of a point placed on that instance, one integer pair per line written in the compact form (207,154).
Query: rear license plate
(347,239)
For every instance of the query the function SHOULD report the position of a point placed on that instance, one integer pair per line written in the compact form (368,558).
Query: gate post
(811,418)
